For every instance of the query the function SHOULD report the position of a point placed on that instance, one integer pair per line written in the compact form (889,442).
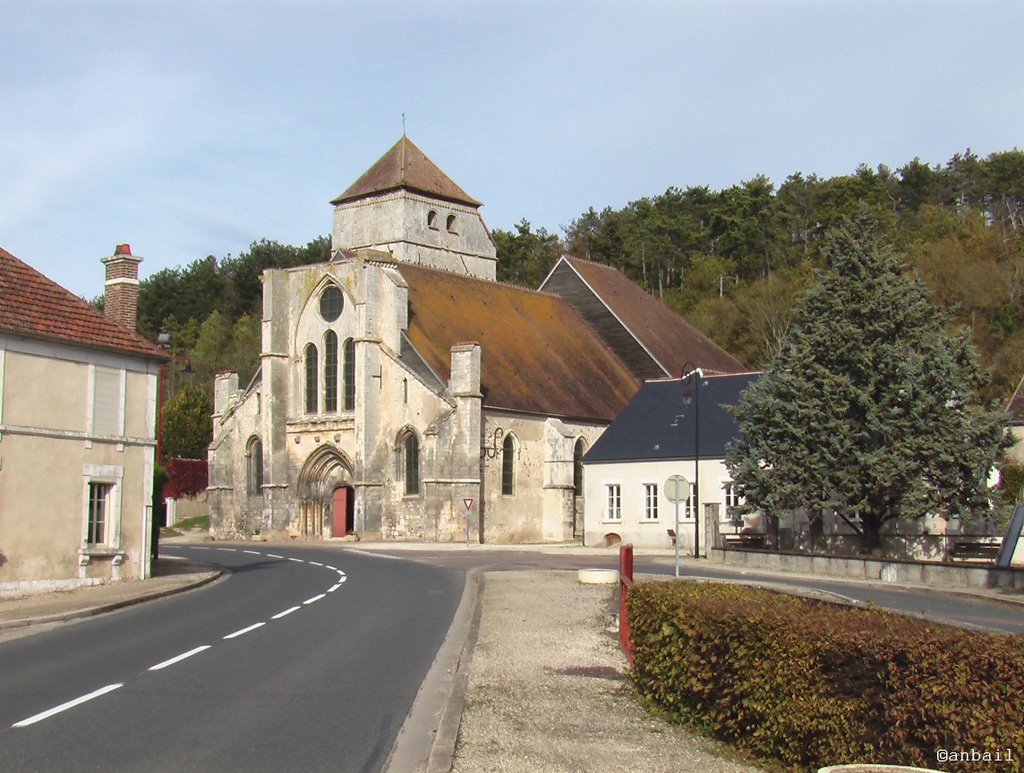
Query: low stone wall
(884,570)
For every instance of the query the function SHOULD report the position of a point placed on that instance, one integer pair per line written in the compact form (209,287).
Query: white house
(656,437)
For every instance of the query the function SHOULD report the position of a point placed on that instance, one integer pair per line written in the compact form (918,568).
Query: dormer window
(331,303)
(432,219)
(451,224)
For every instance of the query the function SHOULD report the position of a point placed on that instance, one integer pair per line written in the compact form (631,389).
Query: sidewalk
(547,690)
(172,575)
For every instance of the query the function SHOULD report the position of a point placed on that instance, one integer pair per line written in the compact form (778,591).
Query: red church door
(342,511)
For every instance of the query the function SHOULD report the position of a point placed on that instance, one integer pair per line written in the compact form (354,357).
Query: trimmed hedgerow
(808,684)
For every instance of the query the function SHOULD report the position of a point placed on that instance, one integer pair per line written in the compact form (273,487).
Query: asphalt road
(300,659)
(945,606)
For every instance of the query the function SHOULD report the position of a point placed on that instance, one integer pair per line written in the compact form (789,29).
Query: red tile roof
(537,355)
(33,305)
(669,338)
(405,166)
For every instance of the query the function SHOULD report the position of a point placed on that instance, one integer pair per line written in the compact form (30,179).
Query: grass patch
(196,522)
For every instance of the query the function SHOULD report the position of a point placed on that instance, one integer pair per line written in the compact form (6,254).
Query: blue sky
(197,127)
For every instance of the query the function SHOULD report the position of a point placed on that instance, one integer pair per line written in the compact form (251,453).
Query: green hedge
(809,684)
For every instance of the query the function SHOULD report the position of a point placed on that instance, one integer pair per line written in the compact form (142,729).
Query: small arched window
(407,462)
(451,224)
(508,466)
(432,219)
(330,372)
(577,466)
(348,375)
(312,385)
(254,468)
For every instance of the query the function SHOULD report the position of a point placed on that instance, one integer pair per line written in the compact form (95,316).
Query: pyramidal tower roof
(405,166)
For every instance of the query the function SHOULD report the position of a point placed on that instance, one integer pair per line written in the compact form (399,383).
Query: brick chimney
(121,286)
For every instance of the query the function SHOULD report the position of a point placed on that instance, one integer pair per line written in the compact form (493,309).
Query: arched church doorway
(343,511)
(326,495)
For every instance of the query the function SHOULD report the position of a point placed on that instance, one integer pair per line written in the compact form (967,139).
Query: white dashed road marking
(179,658)
(252,627)
(196,650)
(65,706)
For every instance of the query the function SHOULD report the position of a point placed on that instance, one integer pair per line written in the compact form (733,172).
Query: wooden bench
(745,540)
(966,550)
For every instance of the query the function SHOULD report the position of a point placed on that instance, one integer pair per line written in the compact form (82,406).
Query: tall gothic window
(254,468)
(508,466)
(407,462)
(312,385)
(348,376)
(330,372)
(577,466)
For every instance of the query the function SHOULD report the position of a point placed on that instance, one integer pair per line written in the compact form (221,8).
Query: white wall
(631,478)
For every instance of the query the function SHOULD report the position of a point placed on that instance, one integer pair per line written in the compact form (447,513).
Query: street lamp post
(690,371)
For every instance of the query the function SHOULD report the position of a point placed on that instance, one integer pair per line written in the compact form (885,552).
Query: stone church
(403,393)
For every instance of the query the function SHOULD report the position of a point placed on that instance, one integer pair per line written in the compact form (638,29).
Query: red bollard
(625,580)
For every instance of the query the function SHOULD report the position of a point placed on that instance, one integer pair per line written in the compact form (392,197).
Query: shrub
(810,684)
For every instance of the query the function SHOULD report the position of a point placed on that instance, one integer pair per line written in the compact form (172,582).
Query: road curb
(426,741)
(99,609)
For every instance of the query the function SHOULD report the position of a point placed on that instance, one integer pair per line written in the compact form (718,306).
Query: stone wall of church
(541,507)
(236,506)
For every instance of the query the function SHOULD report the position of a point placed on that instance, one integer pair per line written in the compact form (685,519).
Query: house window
(732,496)
(331,303)
(330,372)
(688,506)
(348,376)
(650,502)
(508,466)
(254,468)
(107,402)
(577,466)
(451,224)
(311,378)
(407,463)
(99,512)
(613,502)
(432,219)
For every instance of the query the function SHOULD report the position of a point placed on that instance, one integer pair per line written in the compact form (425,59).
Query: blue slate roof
(656,424)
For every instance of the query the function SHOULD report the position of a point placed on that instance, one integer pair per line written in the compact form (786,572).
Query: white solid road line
(252,627)
(179,658)
(65,706)
(279,615)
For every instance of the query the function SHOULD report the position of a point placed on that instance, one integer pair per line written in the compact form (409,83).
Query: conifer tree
(869,408)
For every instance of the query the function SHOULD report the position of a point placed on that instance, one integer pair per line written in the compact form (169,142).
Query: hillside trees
(870,407)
